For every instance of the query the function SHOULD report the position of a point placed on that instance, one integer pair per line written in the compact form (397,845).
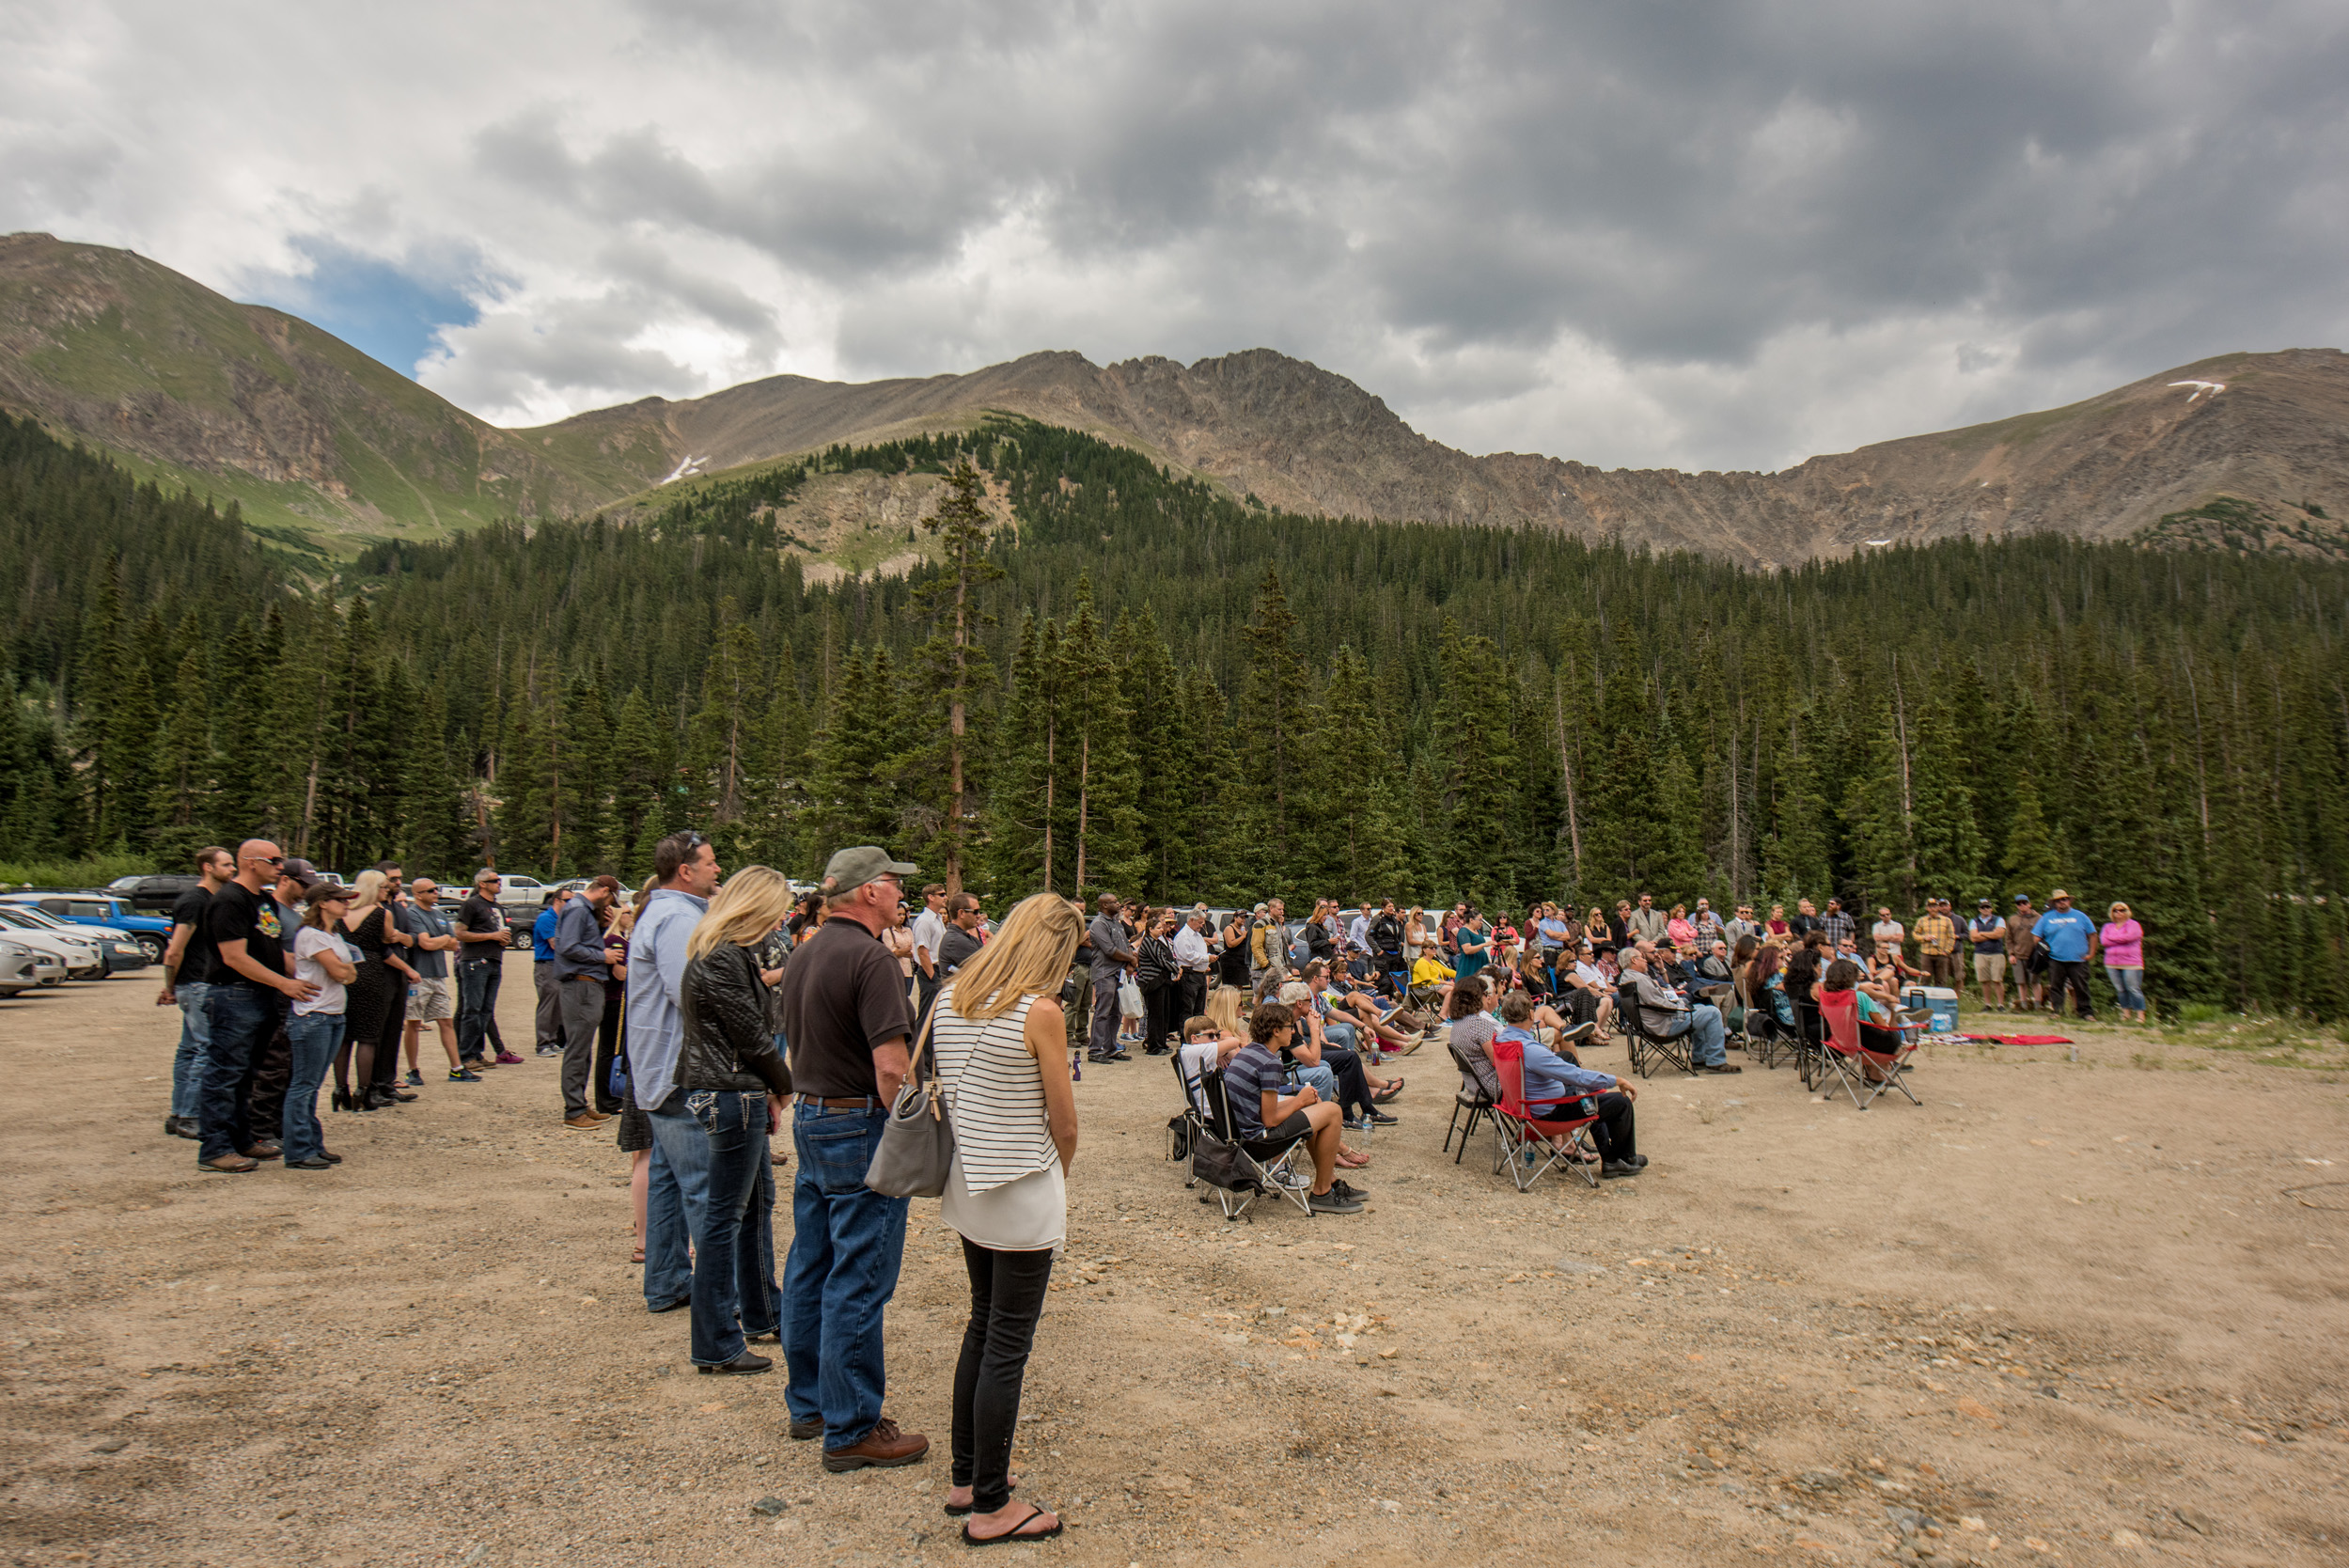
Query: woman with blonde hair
(997,1035)
(735,1085)
(1223,1008)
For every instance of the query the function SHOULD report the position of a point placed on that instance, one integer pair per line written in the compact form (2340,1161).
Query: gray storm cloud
(1712,235)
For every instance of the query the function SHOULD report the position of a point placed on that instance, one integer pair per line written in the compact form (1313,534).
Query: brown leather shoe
(262,1151)
(235,1165)
(586,1123)
(884,1448)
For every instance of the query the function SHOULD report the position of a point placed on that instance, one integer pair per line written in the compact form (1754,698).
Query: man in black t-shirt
(842,1007)
(249,986)
(961,943)
(481,965)
(186,961)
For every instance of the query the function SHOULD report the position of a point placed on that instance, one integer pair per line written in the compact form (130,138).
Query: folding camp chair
(1525,1127)
(1809,1044)
(1473,1096)
(1649,1049)
(1242,1169)
(1849,1058)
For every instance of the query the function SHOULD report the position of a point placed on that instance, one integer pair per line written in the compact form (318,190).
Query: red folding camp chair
(1850,1059)
(1525,1132)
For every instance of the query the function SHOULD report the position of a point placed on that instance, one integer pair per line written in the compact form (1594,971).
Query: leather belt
(854,1102)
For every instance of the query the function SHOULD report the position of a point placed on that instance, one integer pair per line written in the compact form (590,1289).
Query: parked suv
(150,895)
(19,971)
(103,911)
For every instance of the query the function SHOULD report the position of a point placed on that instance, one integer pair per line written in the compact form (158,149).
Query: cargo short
(430,1000)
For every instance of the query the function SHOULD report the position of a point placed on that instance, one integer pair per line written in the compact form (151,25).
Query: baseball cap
(2022,898)
(303,874)
(319,892)
(852,868)
(610,882)
(1986,904)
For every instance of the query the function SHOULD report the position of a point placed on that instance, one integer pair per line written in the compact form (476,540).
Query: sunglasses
(267,859)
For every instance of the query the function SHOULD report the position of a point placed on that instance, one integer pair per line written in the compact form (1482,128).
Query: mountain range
(325,449)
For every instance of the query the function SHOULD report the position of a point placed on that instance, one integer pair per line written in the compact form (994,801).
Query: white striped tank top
(994,1094)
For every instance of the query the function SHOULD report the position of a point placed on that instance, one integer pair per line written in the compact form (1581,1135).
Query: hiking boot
(1331,1202)
(884,1448)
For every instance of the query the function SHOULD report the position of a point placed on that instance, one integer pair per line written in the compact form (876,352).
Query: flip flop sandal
(1389,1093)
(1017,1533)
(636,1256)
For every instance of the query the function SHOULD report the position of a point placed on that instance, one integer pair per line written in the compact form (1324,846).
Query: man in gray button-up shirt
(1113,959)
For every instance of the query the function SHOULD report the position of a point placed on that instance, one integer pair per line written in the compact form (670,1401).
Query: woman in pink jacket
(2123,943)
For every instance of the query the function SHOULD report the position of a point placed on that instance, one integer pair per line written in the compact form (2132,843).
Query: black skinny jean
(1160,1006)
(1006,1298)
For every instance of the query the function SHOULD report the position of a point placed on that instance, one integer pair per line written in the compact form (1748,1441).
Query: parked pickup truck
(105,912)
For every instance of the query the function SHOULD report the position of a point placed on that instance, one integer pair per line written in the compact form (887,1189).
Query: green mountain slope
(325,449)
(315,441)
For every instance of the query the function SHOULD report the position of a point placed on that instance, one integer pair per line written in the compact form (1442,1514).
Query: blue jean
(315,1037)
(734,1292)
(1709,1045)
(846,1244)
(196,1038)
(476,1002)
(242,1017)
(676,1195)
(2128,988)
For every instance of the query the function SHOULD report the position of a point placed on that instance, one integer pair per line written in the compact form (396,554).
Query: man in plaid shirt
(1839,926)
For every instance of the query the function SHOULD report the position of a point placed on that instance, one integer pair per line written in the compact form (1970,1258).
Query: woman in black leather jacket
(735,1084)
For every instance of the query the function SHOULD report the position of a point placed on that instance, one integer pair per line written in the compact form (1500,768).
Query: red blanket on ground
(2016,1039)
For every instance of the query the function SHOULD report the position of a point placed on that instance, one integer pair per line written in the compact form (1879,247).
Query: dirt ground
(2076,1312)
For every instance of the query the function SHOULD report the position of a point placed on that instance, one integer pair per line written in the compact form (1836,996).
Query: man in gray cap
(842,1006)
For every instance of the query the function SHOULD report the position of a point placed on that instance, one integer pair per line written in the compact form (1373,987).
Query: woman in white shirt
(323,956)
(998,1037)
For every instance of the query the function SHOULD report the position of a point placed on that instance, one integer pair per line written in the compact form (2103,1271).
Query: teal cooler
(1943,1001)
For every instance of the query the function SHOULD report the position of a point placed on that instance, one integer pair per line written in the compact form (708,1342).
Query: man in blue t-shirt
(550,1016)
(2069,938)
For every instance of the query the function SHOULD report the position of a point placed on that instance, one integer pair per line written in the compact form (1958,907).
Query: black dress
(370,995)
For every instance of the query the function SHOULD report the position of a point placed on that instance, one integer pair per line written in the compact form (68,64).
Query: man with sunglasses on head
(685,869)
(481,938)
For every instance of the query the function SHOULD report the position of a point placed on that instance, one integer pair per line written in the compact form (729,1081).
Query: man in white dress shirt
(1192,958)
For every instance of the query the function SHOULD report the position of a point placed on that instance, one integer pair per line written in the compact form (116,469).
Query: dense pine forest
(1148,686)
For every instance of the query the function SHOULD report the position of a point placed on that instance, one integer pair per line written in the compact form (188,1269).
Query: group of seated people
(1777,979)
(1303,1064)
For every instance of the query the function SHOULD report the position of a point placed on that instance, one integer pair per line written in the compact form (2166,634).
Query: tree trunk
(1566,765)
(1084,786)
(955,719)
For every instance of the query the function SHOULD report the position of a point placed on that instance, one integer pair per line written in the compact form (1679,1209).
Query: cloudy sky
(1711,235)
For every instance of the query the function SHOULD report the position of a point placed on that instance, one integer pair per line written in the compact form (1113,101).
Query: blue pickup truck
(150,931)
